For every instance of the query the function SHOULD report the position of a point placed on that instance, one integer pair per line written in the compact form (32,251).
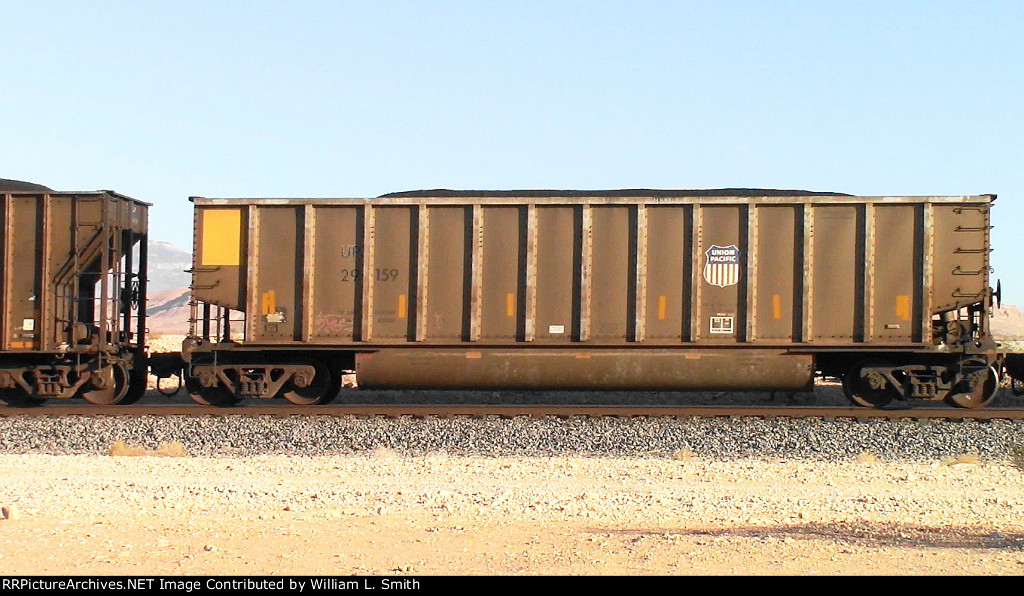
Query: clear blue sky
(163,100)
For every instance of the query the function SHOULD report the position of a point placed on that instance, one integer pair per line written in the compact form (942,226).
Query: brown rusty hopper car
(726,289)
(73,276)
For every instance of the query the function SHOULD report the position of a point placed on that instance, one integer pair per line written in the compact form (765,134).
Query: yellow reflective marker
(222,237)
(777,306)
(510,305)
(401,306)
(662,307)
(903,307)
(269,302)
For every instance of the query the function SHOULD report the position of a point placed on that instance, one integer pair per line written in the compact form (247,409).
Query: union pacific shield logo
(723,265)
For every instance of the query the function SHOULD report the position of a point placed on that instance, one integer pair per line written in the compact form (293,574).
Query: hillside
(168,312)
(168,263)
(168,309)
(1008,323)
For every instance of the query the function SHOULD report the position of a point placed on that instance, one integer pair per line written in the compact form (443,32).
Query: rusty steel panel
(336,304)
(503,274)
(24,278)
(961,255)
(837,258)
(576,368)
(557,278)
(721,274)
(279,271)
(896,291)
(779,272)
(612,295)
(393,274)
(668,264)
(448,268)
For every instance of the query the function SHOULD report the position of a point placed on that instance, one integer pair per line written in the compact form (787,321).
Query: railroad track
(507,411)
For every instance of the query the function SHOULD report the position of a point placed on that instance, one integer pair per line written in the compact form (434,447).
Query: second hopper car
(72,279)
(668,290)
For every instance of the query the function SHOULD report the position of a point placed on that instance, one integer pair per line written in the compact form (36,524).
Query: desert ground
(384,513)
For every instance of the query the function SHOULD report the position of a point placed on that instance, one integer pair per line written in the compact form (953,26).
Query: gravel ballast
(715,438)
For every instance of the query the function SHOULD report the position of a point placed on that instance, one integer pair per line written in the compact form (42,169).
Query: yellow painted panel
(222,237)
(269,302)
(903,307)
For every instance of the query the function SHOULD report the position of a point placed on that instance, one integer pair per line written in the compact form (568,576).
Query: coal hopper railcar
(73,277)
(667,290)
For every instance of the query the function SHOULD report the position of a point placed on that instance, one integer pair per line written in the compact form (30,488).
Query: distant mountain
(1007,322)
(168,309)
(168,312)
(167,265)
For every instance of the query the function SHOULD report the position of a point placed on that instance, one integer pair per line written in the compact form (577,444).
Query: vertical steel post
(252,300)
(103,272)
(422,270)
(807,301)
(868,320)
(696,276)
(367,272)
(308,270)
(927,268)
(751,273)
(530,314)
(43,302)
(5,324)
(476,272)
(640,275)
(586,269)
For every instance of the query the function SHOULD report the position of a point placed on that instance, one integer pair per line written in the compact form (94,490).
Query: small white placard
(721,324)
(556,328)
(28,325)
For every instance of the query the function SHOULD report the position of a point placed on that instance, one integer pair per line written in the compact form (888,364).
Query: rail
(505,411)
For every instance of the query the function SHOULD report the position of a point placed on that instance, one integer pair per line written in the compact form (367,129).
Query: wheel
(215,396)
(192,386)
(137,380)
(859,390)
(980,395)
(109,385)
(210,396)
(320,390)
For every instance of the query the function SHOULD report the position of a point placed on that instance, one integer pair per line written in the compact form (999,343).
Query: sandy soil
(395,515)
